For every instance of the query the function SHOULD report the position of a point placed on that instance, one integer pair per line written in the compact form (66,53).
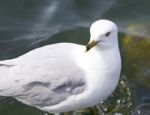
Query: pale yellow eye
(107,34)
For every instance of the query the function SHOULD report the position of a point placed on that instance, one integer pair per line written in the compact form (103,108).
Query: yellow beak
(91,44)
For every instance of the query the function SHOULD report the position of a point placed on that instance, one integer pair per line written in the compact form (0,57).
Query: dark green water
(28,24)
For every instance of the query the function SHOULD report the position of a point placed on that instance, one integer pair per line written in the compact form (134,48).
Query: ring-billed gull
(65,76)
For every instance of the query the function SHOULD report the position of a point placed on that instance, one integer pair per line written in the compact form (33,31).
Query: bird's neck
(102,58)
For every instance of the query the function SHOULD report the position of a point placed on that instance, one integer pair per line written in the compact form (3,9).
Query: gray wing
(48,81)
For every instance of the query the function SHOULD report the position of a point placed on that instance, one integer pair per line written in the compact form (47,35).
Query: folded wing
(43,81)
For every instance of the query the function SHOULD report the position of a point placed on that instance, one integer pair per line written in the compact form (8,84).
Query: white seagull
(65,76)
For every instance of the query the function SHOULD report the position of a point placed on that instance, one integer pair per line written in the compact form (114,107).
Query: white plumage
(64,76)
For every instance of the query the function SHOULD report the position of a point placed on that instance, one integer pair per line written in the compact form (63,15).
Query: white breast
(103,72)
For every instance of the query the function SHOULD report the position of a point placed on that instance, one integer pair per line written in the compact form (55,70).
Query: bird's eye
(107,34)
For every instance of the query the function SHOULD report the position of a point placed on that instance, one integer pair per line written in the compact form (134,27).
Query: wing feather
(47,79)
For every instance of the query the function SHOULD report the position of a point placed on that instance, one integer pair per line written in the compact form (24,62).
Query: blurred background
(28,24)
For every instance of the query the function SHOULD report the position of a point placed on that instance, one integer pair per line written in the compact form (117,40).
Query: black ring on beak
(90,45)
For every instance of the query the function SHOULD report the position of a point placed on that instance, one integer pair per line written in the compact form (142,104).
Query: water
(28,24)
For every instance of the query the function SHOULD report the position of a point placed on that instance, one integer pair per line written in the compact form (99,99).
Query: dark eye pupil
(107,34)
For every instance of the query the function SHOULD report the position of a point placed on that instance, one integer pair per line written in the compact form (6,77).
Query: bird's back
(12,70)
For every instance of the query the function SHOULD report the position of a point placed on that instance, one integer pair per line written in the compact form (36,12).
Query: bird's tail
(5,79)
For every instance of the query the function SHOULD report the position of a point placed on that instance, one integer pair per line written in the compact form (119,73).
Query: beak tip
(87,49)
(90,45)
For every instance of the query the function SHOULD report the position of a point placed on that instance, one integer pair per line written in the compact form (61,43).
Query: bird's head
(104,34)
